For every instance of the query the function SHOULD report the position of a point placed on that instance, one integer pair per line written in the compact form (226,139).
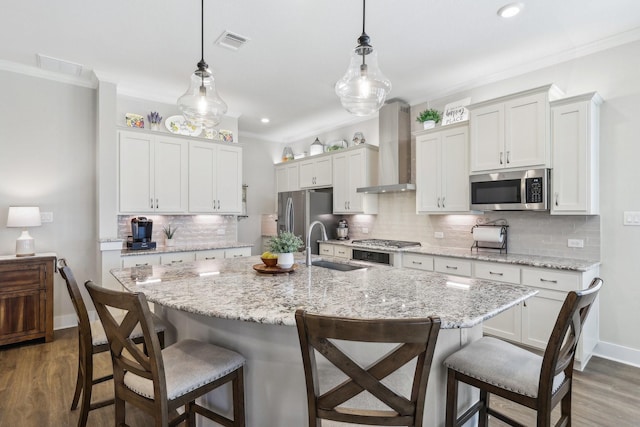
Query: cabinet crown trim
(553,91)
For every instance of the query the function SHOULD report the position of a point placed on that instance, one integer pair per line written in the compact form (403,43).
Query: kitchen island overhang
(226,302)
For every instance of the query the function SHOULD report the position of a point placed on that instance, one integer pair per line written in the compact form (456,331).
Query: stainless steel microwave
(526,190)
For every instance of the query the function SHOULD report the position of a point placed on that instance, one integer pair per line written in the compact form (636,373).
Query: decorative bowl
(270,262)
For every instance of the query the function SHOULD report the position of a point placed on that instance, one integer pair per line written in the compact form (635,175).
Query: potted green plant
(429,118)
(168,234)
(285,244)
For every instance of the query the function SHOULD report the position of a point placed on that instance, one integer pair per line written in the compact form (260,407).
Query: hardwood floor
(37,383)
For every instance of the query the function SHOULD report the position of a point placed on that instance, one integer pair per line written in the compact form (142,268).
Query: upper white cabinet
(442,170)
(511,131)
(575,142)
(215,178)
(287,177)
(316,173)
(354,168)
(152,173)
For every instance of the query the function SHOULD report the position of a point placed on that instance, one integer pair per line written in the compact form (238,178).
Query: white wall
(47,140)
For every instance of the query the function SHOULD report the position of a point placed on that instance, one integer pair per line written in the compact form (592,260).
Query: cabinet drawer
(211,254)
(342,252)
(419,262)
(452,266)
(177,257)
(22,277)
(140,260)
(325,249)
(237,252)
(550,279)
(500,273)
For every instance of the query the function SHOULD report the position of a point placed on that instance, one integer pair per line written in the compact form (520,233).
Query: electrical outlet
(46,216)
(631,218)
(575,243)
(438,235)
(221,231)
(365,230)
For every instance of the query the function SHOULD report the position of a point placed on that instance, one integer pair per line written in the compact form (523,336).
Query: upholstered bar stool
(92,340)
(416,339)
(511,372)
(161,381)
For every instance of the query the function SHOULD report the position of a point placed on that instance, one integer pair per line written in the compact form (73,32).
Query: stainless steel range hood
(394,151)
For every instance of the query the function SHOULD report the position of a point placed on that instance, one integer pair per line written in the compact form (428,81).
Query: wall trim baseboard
(618,353)
(70,320)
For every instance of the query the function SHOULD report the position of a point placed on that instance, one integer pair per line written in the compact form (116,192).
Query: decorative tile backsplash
(530,233)
(191,229)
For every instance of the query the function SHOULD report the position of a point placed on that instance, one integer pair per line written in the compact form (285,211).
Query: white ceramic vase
(429,124)
(169,242)
(285,260)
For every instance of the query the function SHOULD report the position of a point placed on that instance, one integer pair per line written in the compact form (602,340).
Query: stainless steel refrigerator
(298,209)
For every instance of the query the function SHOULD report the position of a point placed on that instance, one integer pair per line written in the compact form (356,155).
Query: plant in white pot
(429,118)
(285,244)
(168,235)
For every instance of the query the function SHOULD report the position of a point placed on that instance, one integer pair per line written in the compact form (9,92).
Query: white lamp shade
(23,216)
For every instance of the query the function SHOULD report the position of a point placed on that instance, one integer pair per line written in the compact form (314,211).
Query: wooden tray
(261,268)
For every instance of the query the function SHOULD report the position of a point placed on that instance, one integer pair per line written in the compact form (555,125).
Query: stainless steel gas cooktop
(397,244)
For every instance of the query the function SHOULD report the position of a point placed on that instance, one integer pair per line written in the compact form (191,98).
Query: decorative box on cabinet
(354,168)
(287,177)
(215,178)
(575,153)
(26,298)
(442,170)
(152,172)
(512,131)
(316,173)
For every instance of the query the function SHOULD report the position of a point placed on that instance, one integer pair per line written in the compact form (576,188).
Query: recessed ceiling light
(510,10)
(264,120)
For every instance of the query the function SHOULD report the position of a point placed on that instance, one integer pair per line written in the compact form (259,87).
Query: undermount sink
(337,265)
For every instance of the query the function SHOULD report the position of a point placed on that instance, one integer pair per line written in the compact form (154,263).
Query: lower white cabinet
(326,249)
(140,260)
(339,251)
(177,257)
(456,267)
(417,261)
(237,252)
(210,254)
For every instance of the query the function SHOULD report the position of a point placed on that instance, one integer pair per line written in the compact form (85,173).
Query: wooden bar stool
(540,383)
(163,380)
(416,338)
(92,340)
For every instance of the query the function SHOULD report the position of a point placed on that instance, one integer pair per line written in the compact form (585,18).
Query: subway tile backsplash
(191,229)
(530,233)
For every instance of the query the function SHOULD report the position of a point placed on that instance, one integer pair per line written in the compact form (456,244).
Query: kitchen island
(226,302)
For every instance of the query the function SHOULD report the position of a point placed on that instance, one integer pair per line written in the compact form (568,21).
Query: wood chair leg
(565,409)
(483,421)
(87,387)
(452,399)
(191,413)
(238,399)
(76,394)
(120,411)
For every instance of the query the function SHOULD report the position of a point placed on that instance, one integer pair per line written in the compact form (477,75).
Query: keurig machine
(141,229)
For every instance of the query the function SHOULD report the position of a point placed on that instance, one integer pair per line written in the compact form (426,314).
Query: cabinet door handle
(349,205)
(508,157)
(525,303)
(218,204)
(237,256)
(438,202)
(496,274)
(142,265)
(501,157)
(176,261)
(151,203)
(452,267)
(345,205)
(556,197)
(443,202)
(416,262)
(209,257)
(157,206)
(548,281)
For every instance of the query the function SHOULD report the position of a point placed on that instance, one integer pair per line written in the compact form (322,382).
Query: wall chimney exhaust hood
(394,151)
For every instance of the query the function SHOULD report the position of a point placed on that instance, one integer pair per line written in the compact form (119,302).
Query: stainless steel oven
(526,190)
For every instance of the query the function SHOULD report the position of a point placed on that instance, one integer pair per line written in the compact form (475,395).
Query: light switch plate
(365,230)
(575,243)
(46,216)
(438,235)
(631,218)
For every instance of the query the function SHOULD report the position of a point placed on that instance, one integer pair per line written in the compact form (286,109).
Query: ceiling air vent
(230,40)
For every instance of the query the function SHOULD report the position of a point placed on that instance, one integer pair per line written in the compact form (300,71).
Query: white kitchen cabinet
(326,249)
(575,154)
(354,168)
(508,324)
(153,173)
(417,261)
(177,257)
(140,260)
(338,251)
(210,254)
(237,252)
(287,177)
(512,131)
(442,170)
(316,173)
(457,267)
(215,178)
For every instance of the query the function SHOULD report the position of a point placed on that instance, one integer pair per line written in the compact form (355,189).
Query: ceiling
(299,49)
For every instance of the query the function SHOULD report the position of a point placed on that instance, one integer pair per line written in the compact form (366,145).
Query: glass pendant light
(363,89)
(201,104)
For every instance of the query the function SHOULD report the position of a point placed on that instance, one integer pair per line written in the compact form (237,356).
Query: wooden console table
(26,297)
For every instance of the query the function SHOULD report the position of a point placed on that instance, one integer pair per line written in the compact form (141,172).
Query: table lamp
(24,216)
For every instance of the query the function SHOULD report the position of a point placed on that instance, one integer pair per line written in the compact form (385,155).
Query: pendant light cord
(363,15)
(202,30)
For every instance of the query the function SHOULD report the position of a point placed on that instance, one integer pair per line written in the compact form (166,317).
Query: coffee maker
(141,229)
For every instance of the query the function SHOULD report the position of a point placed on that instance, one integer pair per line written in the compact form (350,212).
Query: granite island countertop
(557,263)
(232,289)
